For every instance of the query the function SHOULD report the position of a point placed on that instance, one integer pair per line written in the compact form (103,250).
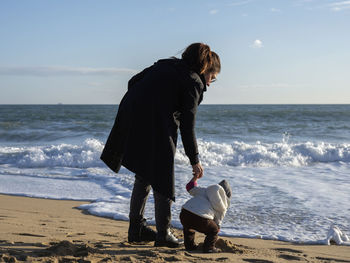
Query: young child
(204,212)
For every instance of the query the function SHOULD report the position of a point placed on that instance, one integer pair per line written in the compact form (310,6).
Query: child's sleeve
(193,188)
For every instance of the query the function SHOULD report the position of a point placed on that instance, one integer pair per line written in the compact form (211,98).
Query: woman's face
(209,77)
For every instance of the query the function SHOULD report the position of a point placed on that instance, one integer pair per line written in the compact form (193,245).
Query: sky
(84,51)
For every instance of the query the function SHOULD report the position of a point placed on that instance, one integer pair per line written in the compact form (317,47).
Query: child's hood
(225,184)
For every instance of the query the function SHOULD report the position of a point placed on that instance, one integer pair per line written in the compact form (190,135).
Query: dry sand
(41,230)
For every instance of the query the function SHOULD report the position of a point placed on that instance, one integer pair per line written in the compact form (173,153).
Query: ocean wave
(62,155)
(268,154)
(212,153)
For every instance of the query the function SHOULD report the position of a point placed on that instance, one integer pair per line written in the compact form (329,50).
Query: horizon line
(204,104)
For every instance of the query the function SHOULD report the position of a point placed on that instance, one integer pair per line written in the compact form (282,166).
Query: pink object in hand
(190,185)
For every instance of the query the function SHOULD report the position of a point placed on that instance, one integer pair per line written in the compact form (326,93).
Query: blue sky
(82,51)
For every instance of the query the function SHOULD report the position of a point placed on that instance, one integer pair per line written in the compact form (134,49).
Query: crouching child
(204,213)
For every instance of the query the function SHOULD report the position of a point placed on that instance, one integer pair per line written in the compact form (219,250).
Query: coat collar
(203,81)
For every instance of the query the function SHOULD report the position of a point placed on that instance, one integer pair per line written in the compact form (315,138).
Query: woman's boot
(139,231)
(167,239)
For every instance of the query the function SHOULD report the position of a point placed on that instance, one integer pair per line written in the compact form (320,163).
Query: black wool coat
(159,100)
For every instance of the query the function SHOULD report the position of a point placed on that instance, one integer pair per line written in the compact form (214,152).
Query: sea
(288,165)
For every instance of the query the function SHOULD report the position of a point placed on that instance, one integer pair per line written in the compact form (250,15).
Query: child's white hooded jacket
(211,202)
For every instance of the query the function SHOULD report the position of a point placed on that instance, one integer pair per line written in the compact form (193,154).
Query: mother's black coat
(159,100)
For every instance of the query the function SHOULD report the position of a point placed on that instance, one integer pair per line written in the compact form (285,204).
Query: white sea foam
(268,154)
(61,155)
(212,154)
(52,188)
(284,191)
(290,204)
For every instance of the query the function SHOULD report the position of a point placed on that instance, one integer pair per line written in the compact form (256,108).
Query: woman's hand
(197,170)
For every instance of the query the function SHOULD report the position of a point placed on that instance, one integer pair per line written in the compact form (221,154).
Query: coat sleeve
(190,100)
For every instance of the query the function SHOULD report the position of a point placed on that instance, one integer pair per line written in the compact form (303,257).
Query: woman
(159,100)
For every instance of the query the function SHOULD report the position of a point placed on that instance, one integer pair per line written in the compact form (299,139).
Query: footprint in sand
(289,250)
(332,259)
(66,248)
(29,235)
(127,258)
(107,235)
(75,234)
(172,259)
(290,257)
(253,260)
(148,253)
(125,244)
(7,258)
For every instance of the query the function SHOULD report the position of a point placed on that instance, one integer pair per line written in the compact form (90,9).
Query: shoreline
(49,230)
(89,201)
(86,212)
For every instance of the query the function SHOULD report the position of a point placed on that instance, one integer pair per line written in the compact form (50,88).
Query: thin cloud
(62,71)
(275,10)
(273,85)
(340,6)
(213,12)
(324,4)
(257,44)
(238,3)
(95,84)
(309,4)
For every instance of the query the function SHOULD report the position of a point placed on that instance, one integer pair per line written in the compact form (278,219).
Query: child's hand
(197,170)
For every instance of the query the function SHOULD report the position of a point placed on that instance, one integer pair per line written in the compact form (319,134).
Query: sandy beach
(43,230)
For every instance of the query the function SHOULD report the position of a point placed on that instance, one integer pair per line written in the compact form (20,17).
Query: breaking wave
(237,153)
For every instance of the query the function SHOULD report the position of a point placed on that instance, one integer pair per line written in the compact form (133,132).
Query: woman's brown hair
(201,59)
